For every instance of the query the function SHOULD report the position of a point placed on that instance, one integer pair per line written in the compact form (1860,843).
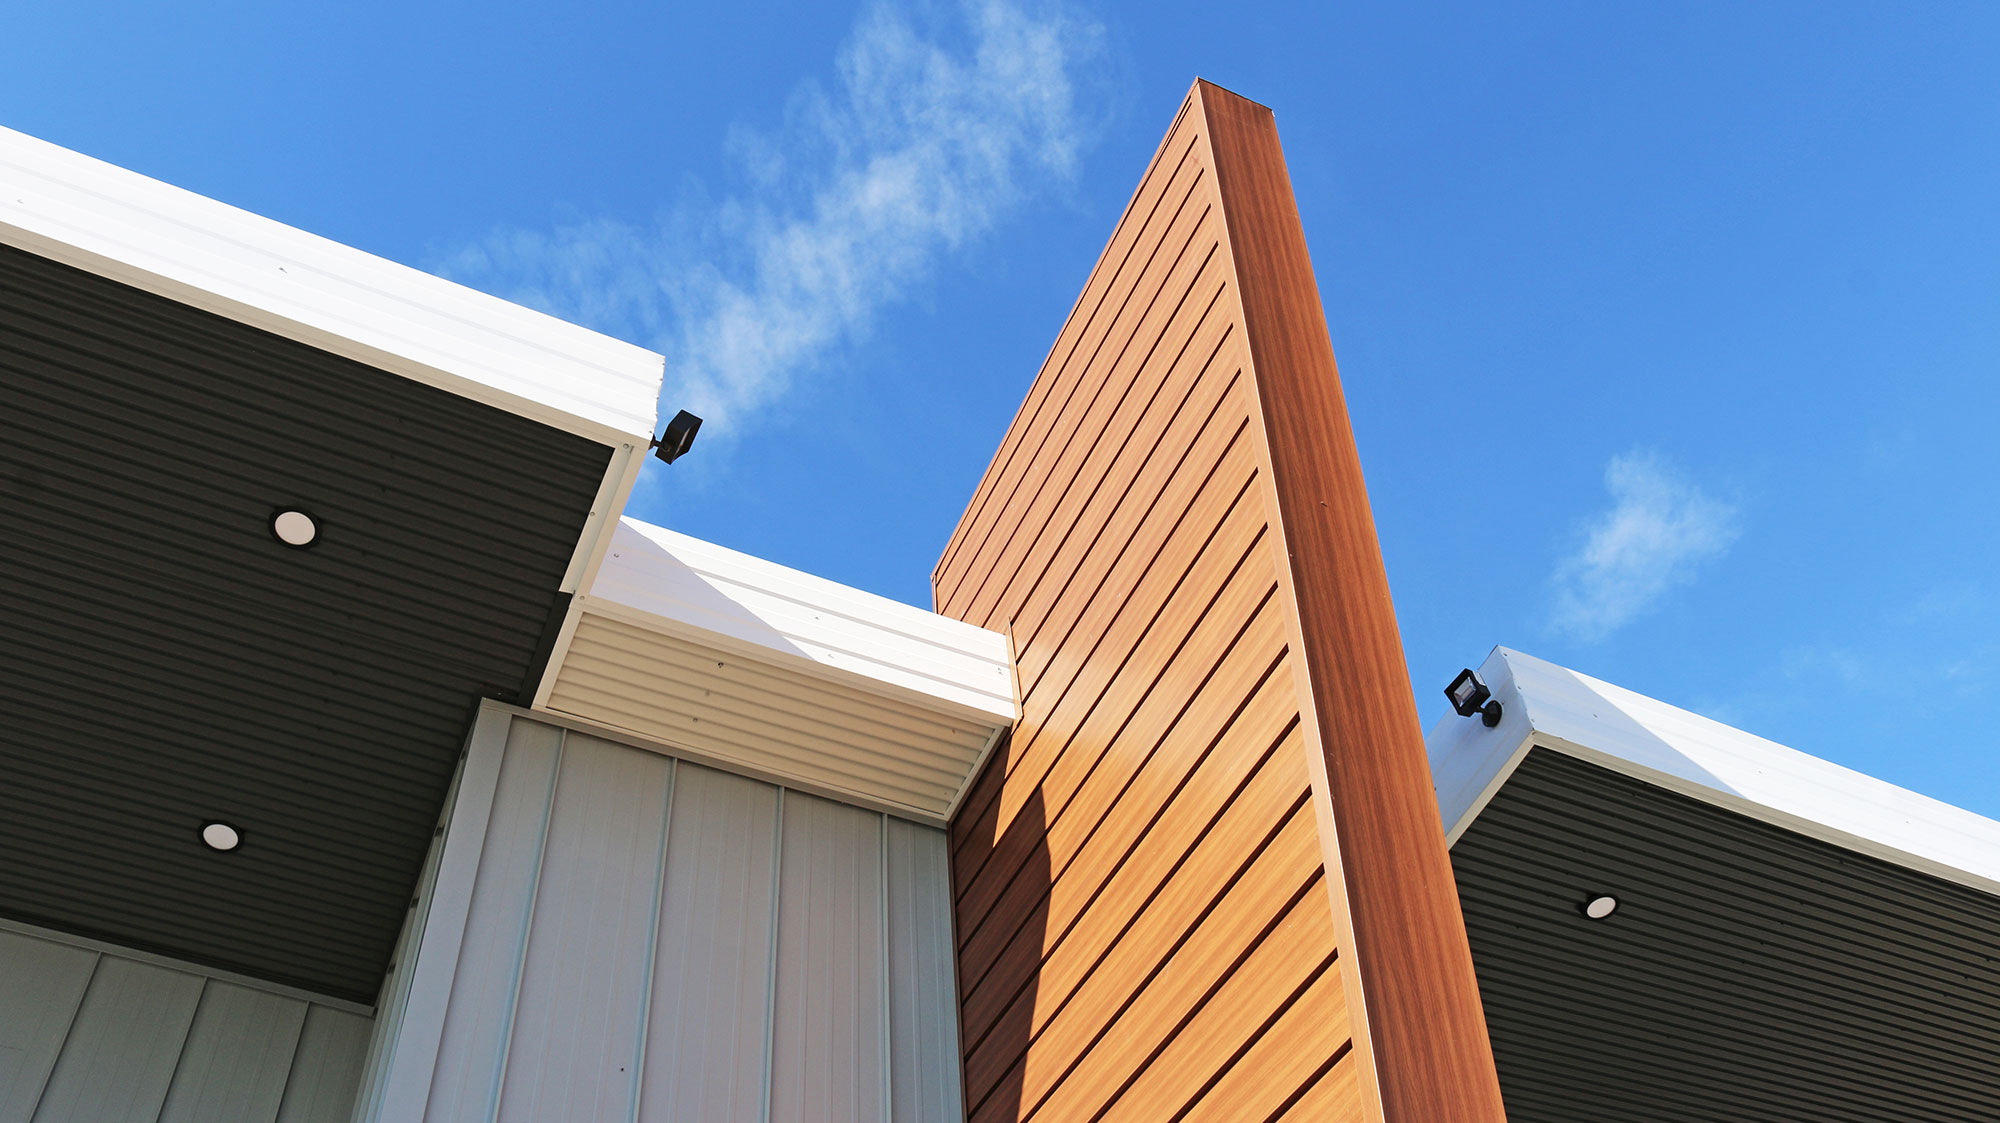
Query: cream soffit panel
(1556,708)
(749,664)
(122,225)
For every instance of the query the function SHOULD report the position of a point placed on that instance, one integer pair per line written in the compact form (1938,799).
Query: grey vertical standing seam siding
(93,1037)
(650,939)
(166,660)
(1749,973)
(716,923)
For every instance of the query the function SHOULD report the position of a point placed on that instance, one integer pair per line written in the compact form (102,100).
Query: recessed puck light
(294,528)
(220,836)
(1600,907)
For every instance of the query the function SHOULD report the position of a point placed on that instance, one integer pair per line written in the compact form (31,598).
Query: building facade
(363,761)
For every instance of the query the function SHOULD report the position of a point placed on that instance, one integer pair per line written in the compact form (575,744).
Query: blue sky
(1671,334)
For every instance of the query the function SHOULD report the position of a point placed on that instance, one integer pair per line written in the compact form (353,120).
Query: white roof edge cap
(122,225)
(676,584)
(1553,707)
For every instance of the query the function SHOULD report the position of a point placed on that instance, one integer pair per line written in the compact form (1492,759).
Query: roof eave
(209,255)
(1552,707)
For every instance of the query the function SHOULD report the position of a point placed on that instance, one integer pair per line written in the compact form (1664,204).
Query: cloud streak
(1658,533)
(926,139)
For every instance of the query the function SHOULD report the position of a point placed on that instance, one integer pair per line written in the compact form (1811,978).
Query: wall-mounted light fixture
(1469,696)
(221,836)
(1599,906)
(678,437)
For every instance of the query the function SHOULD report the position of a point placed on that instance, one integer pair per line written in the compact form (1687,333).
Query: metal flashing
(153,236)
(1555,708)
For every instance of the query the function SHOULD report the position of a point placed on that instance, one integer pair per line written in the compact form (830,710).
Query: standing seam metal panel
(706,1030)
(91,1036)
(577,1021)
(761,954)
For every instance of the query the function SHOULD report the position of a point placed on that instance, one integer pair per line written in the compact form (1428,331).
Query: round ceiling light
(1600,907)
(294,528)
(220,836)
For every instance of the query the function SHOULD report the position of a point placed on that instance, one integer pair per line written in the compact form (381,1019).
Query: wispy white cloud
(927,138)
(1659,531)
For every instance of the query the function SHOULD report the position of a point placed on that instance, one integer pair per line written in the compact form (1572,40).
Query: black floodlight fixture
(678,437)
(1469,696)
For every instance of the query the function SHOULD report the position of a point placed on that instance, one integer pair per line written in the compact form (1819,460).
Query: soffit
(167,660)
(1749,972)
(781,674)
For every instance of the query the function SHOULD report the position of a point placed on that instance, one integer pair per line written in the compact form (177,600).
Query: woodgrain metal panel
(1423,1032)
(1152,897)
(1286,1062)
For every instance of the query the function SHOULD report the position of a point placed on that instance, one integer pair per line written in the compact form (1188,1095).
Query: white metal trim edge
(137,230)
(677,585)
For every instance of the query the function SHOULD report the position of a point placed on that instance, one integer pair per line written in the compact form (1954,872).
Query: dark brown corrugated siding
(1153,918)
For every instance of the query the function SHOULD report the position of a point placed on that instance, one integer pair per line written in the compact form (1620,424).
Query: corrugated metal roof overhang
(1553,706)
(1749,973)
(165,660)
(1793,940)
(153,236)
(780,674)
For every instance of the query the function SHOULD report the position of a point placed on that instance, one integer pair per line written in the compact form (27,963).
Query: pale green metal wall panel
(326,1070)
(93,1035)
(41,984)
(119,1058)
(238,1052)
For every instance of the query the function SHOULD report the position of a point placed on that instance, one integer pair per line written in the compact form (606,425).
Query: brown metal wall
(1154,921)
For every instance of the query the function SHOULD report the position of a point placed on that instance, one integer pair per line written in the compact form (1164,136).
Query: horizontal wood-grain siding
(1143,916)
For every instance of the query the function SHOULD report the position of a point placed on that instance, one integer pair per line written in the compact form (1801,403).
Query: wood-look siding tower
(1206,878)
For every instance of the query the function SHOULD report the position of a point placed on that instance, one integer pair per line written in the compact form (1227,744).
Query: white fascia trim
(683,586)
(1556,708)
(119,224)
